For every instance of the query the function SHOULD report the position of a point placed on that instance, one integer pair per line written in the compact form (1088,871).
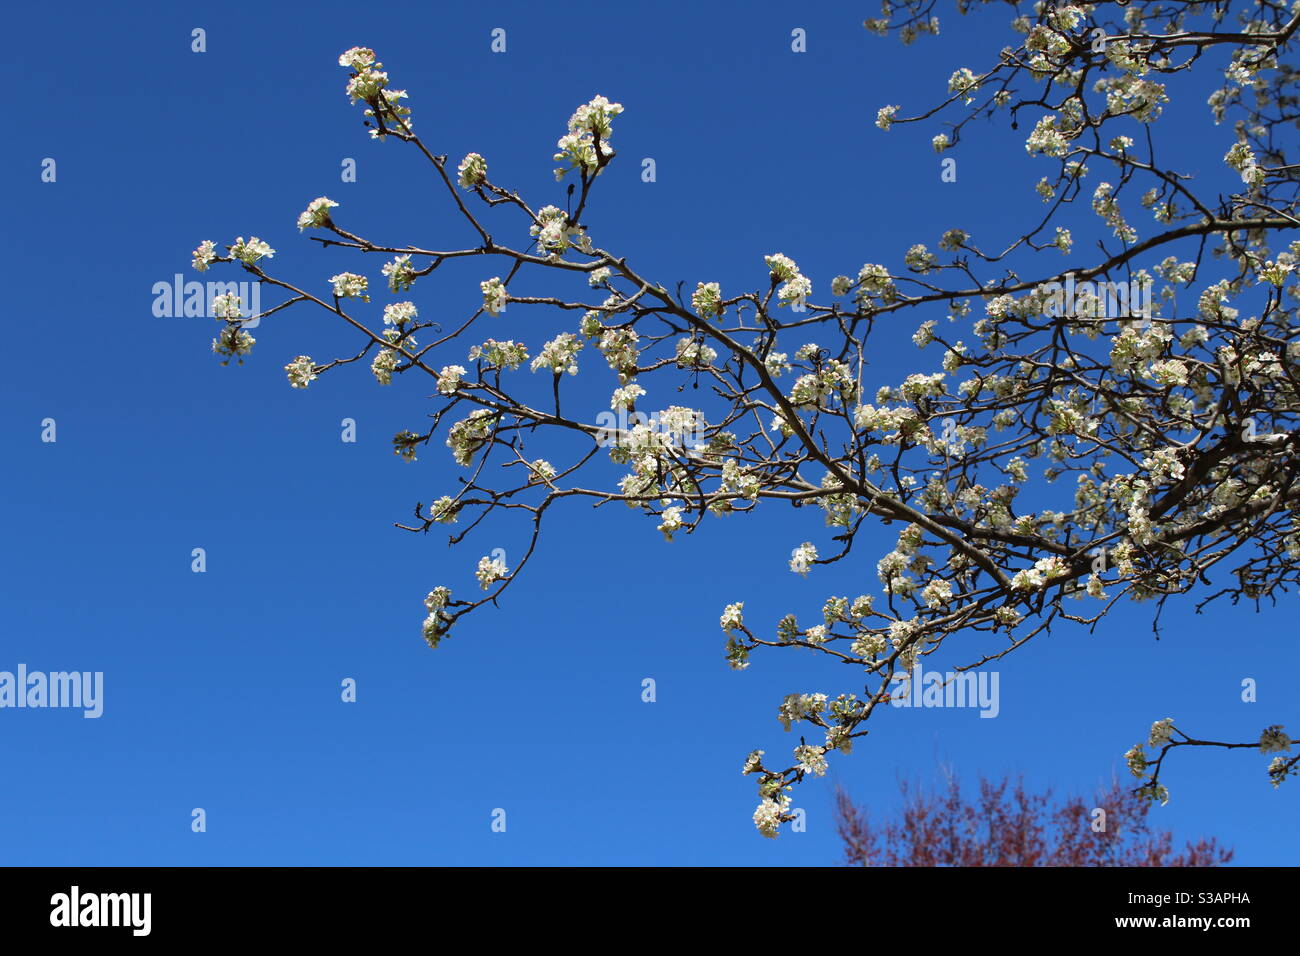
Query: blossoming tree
(1006,825)
(1164,424)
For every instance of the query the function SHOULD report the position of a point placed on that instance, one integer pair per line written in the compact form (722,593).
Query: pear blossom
(204,255)
(449,379)
(811,759)
(349,285)
(233,342)
(472,171)
(1161,732)
(444,510)
(383,365)
(541,470)
(317,214)
(559,354)
(401,274)
(469,435)
(500,355)
(590,128)
(707,300)
(227,306)
(494,295)
(398,313)
(768,816)
(803,557)
(252,250)
(490,571)
(301,371)
(672,521)
(625,397)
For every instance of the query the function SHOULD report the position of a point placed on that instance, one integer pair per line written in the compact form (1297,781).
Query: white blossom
(301,371)
(317,213)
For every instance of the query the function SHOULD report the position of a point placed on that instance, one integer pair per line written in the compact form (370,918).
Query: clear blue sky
(222,689)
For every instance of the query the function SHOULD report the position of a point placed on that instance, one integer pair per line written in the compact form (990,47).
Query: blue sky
(222,689)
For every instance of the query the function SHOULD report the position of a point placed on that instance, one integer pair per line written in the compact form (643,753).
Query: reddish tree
(1008,826)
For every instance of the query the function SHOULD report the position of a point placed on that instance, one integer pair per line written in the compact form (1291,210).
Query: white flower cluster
(920,259)
(490,570)
(875,281)
(1106,205)
(769,815)
(204,255)
(542,471)
(833,379)
(738,481)
(470,434)
(472,171)
(1049,137)
(797,286)
(624,397)
(796,707)
(777,364)
(559,355)
(227,306)
(1133,96)
(1242,158)
(435,625)
(397,313)
(383,365)
(252,250)
(449,379)
(494,295)
(301,371)
(317,214)
(802,557)
(1161,732)
(619,346)
(233,341)
(555,233)
(672,521)
(896,423)
(693,354)
(707,300)
(811,759)
(590,124)
(1171,372)
(503,355)
(733,617)
(937,593)
(369,84)
(963,82)
(401,274)
(1136,758)
(1043,571)
(443,511)
(349,285)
